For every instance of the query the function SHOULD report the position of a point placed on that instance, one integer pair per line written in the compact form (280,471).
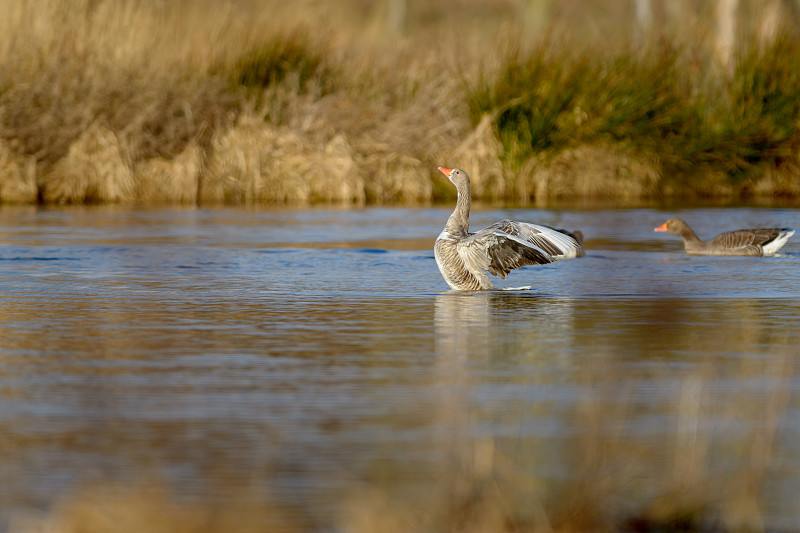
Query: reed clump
(372,98)
(660,119)
(289,55)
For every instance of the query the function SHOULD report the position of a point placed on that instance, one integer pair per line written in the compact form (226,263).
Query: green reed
(691,113)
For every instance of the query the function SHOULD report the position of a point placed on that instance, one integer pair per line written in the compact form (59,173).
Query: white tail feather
(772,247)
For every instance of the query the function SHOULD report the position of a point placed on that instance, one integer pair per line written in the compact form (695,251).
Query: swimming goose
(756,241)
(464,258)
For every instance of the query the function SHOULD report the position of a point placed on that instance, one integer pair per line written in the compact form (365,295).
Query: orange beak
(445,171)
(662,227)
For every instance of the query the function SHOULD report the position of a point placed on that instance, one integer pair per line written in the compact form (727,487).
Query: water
(307,354)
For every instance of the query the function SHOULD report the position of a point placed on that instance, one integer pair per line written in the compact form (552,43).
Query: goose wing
(559,243)
(746,240)
(499,253)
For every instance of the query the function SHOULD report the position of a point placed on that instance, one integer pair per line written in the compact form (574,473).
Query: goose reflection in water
(499,360)
(493,325)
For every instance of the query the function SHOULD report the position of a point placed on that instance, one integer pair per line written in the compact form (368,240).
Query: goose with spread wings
(465,258)
(753,242)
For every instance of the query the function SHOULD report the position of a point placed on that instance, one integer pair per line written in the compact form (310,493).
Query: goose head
(457,176)
(674,225)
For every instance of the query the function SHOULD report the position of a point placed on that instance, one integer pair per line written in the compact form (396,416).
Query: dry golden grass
(170,181)
(604,171)
(255,162)
(95,90)
(264,102)
(17,177)
(92,171)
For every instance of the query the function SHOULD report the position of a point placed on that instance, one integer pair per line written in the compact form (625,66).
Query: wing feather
(499,253)
(559,243)
(748,241)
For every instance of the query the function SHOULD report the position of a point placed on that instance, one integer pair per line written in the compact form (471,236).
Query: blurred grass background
(356,101)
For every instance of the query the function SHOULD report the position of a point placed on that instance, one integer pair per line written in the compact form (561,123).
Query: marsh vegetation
(357,102)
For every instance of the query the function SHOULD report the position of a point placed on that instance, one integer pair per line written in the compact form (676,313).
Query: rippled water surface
(310,354)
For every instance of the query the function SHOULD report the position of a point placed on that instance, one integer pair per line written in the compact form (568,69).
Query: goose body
(465,259)
(752,242)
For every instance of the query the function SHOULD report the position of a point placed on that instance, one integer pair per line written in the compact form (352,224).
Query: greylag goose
(464,258)
(756,241)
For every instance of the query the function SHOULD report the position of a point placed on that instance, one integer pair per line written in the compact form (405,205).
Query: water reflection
(500,355)
(654,392)
(181,341)
(462,325)
(499,324)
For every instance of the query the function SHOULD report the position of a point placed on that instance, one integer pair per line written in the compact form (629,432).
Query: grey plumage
(464,258)
(750,242)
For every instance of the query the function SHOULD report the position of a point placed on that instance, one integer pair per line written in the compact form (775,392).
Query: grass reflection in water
(162,385)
